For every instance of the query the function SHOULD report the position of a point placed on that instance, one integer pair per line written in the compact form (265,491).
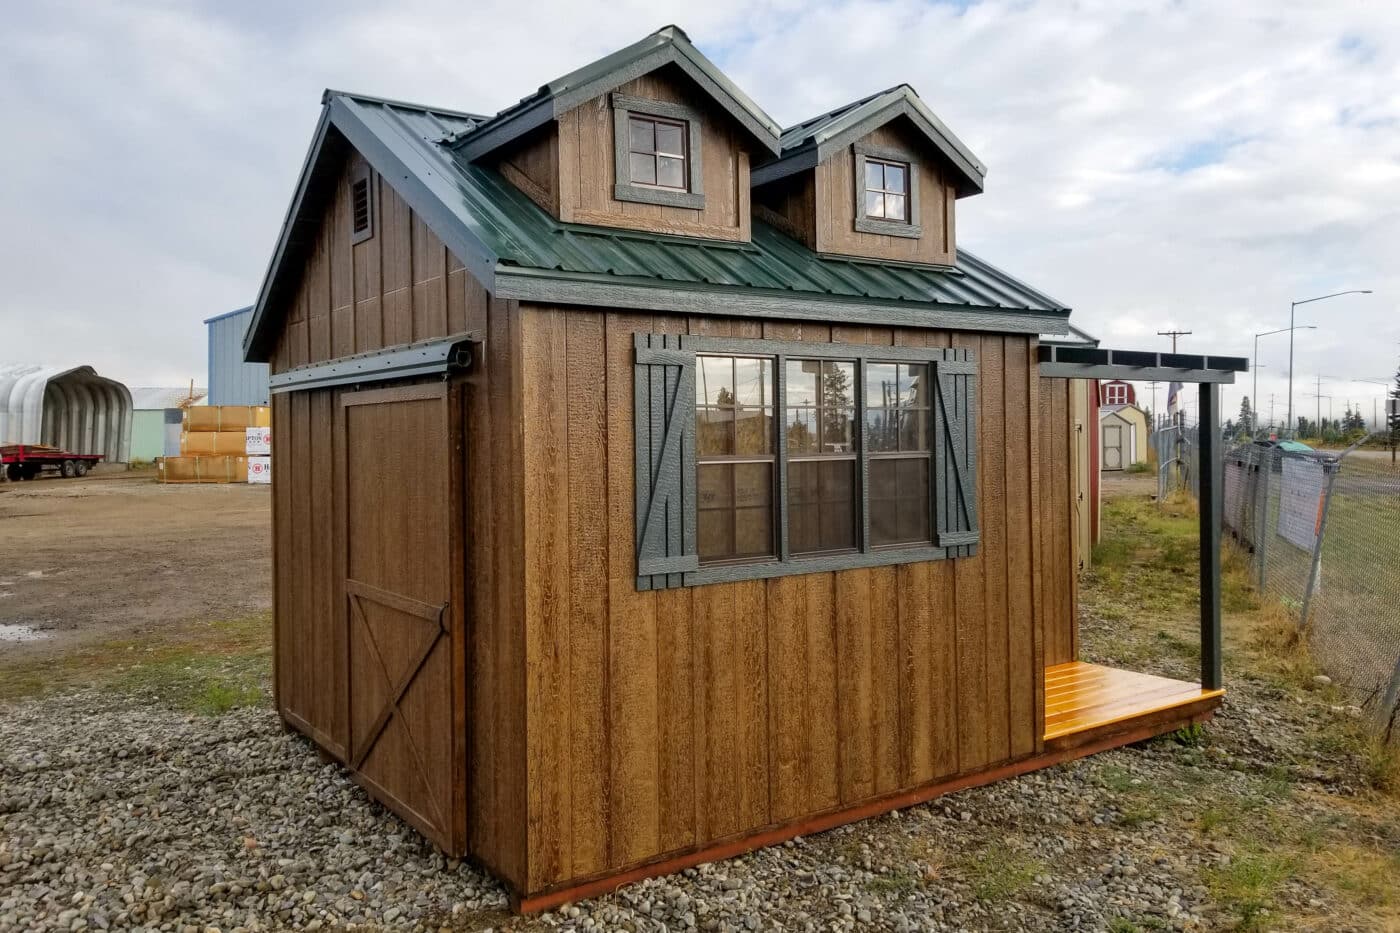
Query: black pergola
(1208,372)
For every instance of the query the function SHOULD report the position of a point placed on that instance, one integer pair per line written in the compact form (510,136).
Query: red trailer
(26,461)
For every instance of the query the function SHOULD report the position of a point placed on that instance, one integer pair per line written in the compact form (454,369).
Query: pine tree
(1246,418)
(1394,419)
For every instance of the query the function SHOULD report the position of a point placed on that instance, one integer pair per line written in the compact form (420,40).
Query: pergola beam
(1212,514)
(1076,362)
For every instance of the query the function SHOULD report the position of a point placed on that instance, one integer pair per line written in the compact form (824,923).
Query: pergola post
(1212,479)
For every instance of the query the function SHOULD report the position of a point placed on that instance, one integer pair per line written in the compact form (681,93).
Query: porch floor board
(1083,700)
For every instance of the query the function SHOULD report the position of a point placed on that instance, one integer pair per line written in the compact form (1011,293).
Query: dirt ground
(118,554)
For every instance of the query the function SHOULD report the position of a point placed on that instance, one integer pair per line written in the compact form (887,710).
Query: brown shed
(655,483)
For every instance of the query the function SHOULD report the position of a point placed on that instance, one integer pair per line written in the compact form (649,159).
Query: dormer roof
(667,46)
(812,141)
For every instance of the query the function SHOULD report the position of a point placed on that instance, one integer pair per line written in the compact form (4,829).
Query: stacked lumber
(214,446)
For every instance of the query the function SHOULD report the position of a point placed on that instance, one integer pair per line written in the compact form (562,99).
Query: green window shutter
(664,421)
(955,449)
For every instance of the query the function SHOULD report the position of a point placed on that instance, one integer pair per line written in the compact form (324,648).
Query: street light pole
(1255,398)
(1291,310)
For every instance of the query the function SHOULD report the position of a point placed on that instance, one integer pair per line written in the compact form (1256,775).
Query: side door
(401,529)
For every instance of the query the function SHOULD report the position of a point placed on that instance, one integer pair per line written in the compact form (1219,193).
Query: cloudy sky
(1155,165)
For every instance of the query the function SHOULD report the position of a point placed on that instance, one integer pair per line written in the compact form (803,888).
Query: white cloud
(1192,163)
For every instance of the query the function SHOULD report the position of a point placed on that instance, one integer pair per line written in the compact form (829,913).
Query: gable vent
(361,208)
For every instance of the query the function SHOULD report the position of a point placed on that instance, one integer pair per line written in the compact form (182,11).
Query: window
(656,153)
(1115,393)
(887,192)
(897,419)
(734,458)
(361,205)
(819,424)
(758,458)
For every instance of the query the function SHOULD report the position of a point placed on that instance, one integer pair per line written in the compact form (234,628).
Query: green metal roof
(812,141)
(507,242)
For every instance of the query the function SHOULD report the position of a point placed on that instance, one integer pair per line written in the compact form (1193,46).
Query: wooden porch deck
(1085,702)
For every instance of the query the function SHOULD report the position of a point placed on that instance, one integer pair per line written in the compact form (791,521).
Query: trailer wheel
(31,470)
(82,467)
(14,472)
(69,469)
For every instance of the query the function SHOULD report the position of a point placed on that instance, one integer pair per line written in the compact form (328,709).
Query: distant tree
(1306,428)
(1246,417)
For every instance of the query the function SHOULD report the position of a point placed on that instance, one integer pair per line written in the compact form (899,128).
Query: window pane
(670,172)
(753,533)
(753,431)
(802,382)
(881,430)
(838,384)
(753,485)
(668,139)
(716,486)
(894,178)
(894,207)
(837,431)
(714,432)
(899,509)
(882,384)
(753,382)
(642,135)
(821,510)
(716,381)
(643,169)
(913,384)
(801,428)
(874,175)
(874,204)
(913,430)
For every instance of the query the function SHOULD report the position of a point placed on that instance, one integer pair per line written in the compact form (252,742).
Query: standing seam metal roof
(519,232)
(490,225)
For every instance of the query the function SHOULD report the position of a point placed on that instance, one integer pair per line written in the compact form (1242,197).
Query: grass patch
(205,667)
(998,874)
(895,883)
(1248,884)
(1138,468)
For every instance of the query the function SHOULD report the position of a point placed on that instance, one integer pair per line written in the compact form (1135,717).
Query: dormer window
(887,192)
(657,153)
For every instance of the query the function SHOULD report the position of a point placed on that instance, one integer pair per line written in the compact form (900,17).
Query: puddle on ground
(10,631)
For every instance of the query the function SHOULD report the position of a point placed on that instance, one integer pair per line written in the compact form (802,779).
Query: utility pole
(1173,334)
(1271,413)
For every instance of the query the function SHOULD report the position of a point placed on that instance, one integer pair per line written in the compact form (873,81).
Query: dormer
(651,138)
(877,178)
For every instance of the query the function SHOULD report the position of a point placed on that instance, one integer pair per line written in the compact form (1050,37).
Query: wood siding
(1058,519)
(836,193)
(401,285)
(818,207)
(665,721)
(568,168)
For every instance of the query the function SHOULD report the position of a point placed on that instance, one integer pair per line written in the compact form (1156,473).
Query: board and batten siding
(397,286)
(664,721)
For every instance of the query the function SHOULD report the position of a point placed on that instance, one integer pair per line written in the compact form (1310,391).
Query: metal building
(72,408)
(232,381)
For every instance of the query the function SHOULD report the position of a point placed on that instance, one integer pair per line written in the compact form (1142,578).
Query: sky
(1154,165)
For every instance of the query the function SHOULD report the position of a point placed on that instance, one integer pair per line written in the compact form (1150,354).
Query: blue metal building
(232,381)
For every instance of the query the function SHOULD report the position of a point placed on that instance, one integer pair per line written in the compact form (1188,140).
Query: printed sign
(1300,508)
(259,442)
(259,469)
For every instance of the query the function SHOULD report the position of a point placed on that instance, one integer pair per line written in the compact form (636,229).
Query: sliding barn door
(402,558)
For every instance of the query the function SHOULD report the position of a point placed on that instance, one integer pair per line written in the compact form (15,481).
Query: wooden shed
(656,483)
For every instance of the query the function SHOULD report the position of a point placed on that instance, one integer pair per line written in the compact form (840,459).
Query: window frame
(624,189)
(910,228)
(1116,393)
(866,554)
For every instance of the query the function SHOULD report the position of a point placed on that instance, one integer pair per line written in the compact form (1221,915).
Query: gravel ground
(118,814)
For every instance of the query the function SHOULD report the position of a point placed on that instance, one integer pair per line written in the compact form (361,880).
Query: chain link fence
(1323,535)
